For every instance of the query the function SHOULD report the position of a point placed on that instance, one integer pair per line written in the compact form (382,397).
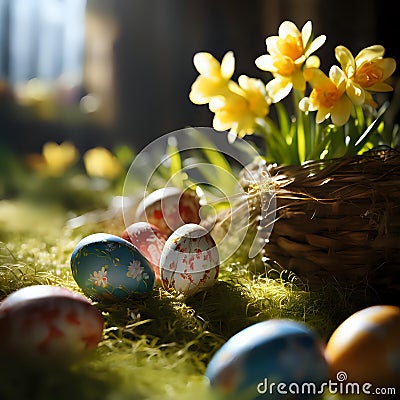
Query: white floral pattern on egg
(189,262)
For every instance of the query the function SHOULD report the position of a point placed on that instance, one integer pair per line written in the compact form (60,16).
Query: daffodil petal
(271,43)
(306,105)
(322,115)
(345,58)
(288,28)
(315,45)
(279,88)
(312,62)
(216,103)
(202,89)
(206,64)
(265,62)
(228,65)
(369,54)
(298,81)
(244,82)
(306,32)
(381,87)
(338,77)
(355,93)
(316,77)
(196,95)
(251,84)
(220,122)
(340,113)
(232,135)
(234,89)
(388,65)
(300,61)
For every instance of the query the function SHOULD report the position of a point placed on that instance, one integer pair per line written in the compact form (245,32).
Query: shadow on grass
(21,382)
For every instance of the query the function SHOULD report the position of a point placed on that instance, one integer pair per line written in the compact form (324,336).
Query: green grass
(156,348)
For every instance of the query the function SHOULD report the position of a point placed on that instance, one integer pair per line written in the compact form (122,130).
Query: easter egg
(365,348)
(107,267)
(149,240)
(272,359)
(189,261)
(48,325)
(169,208)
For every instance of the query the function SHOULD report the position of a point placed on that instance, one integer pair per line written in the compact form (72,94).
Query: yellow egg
(366,347)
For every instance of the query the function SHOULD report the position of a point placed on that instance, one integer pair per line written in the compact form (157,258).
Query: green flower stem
(337,147)
(300,125)
(294,140)
(276,149)
(322,136)
(301,140)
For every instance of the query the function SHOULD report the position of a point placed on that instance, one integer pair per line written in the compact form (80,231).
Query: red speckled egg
(366,347)
(189,262)
(48,325)
(169,208)
(149,240)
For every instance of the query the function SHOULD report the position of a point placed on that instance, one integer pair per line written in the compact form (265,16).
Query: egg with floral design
(48,325)
(108,267)
(189,262)
(149,240)
(169,208)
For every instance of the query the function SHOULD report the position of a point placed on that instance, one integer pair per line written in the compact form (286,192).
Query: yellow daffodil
(243,108)
(366,72)
(214,79)
(55,158)
(328,96)
(239,110)
(289,53)
(100,162)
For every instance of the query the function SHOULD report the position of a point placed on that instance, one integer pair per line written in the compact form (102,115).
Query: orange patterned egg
(366,347)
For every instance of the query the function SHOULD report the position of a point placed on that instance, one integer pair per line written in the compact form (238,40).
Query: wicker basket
(338,221)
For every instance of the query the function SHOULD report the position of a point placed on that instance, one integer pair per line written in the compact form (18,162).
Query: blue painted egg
(107,267)
(271,359)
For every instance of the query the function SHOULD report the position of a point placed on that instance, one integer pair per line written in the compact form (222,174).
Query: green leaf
(363,139)
(284,121)
(175,163)
(213,156)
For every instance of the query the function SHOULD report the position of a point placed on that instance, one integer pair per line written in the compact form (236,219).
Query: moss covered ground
(156,348)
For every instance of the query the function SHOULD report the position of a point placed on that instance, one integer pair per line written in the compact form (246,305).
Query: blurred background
(110,72)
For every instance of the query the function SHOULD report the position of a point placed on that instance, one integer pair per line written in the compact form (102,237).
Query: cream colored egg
(189,262)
